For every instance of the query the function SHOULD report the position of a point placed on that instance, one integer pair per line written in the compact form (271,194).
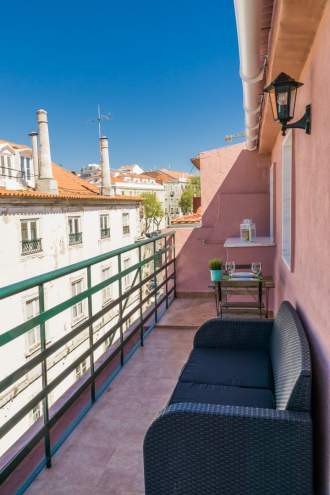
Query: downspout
(248,22)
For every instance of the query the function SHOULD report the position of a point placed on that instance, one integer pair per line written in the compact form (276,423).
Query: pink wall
(234,185)
(308,286)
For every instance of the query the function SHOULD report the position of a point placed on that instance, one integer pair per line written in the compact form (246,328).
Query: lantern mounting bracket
(304,123)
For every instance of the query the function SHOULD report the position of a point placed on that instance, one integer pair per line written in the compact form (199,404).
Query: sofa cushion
(222,394)
(234,367)
(289,351)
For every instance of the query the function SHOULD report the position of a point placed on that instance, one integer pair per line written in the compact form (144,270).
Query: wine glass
(256,268)
(230,267)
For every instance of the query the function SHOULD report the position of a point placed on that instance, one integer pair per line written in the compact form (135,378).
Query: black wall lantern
(282,94)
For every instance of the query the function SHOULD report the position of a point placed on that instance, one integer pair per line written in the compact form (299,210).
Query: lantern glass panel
(283,103)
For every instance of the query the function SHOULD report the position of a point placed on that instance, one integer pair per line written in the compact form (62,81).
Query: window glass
(33,335)
(77,309)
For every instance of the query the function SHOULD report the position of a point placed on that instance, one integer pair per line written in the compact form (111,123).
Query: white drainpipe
(248,21)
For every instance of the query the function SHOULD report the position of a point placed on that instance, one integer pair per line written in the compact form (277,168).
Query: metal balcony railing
(75,238)
(31,246)
(105,233)
(152,288)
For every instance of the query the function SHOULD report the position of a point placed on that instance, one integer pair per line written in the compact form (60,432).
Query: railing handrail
(29,283)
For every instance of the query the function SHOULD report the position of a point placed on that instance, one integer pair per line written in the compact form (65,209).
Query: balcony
(57,386)
(31,246)
(105,233)
(75,238)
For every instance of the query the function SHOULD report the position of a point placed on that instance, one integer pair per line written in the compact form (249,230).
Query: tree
(153,210)
(192,190)
(186,200)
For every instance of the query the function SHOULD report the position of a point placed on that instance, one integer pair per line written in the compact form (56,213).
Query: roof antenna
(100,117)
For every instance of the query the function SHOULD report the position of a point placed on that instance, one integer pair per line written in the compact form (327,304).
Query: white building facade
(42,231)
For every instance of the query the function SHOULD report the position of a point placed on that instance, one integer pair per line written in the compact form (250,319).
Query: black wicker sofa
(238,421)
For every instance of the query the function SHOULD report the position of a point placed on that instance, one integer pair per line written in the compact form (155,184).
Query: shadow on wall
(234,185)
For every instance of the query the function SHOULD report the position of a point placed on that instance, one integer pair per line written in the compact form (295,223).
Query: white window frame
(126,278)
(105,224)
(125,222)
(81,369)
(75,221)
(286,199)
(271,200)
(78,309)
(29,221)
(107,291)
(34,333)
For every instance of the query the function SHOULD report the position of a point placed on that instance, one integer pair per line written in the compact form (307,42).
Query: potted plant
(215,266)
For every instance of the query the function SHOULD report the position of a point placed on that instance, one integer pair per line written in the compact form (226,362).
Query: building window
(78,309)
(105,226)
(75,234)
(126,278)
(125,221)
(107,291)
(3,166)
(287,199)
(81,369)
(31,242)
(35,413)
(10,172)
(33,335)
(26,167)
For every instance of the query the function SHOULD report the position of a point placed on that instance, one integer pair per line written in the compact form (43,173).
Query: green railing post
(120,289)
(141,297)
(155,280)
(91,334)
(166,273)
(174,262)
(44,380)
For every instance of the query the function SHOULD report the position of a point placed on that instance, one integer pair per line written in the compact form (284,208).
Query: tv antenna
(100,118)
(230,137)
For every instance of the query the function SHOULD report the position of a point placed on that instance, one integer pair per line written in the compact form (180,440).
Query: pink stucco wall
(234,185)
(308,285)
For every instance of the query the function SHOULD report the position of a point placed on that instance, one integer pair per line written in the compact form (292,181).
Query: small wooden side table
(261,285)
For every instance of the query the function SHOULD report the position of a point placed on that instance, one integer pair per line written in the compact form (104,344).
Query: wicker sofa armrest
(204,449)
(235,334)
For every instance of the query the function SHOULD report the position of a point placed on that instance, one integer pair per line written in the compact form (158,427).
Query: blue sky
(166,70)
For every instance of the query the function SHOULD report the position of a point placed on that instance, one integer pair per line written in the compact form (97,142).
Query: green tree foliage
(186,200)
(153,211)
(193,189)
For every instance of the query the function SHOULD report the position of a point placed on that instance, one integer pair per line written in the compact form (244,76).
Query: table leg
(260,299)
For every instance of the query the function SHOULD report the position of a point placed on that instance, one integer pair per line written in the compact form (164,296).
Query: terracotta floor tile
(104,455)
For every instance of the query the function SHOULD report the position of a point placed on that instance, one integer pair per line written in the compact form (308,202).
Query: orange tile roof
(70,186)
(189,218)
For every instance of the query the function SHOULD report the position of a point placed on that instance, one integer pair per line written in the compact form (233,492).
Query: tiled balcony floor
(104,453)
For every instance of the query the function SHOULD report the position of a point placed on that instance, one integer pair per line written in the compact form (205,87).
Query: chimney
(105,167)
(34,140)
(46,181)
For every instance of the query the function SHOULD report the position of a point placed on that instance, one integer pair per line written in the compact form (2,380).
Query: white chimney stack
(105,166)
(46,182)
(34,140)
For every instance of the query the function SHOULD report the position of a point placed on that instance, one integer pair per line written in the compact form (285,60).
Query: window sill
(78,321)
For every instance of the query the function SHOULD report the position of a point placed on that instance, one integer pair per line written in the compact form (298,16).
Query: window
(26,167)
(81,369)
(10,174)
(78,309)
(35,413)
(75,234)
(287,199)
(105,226)
(126,278)
(31,242)
(3,166)
(107,291)
(33,335)
(125,220)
